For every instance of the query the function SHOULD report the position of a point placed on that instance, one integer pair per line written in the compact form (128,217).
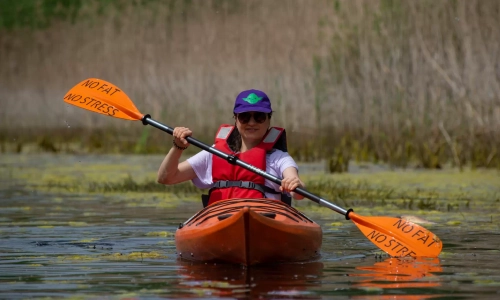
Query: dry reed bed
(373,80)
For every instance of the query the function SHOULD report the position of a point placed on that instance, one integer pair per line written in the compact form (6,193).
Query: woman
(252,141)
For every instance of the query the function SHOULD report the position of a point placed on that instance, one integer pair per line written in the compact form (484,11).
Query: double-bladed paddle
(395,236)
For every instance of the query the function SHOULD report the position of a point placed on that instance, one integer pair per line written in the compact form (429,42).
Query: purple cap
(252,100)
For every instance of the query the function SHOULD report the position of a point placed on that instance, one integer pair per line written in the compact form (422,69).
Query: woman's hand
(180,134)
(290,182)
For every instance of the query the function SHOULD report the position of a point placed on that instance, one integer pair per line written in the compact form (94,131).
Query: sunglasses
(259,117)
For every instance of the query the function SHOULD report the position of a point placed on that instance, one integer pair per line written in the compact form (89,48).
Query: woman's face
(252,125)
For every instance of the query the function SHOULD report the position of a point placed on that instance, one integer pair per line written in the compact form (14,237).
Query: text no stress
(93,103)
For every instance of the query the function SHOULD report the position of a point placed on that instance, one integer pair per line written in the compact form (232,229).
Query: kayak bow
(248,232)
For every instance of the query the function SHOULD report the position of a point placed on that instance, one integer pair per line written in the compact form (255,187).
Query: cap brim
(247,109)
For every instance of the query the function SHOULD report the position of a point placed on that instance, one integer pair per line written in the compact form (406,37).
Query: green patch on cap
(252,98)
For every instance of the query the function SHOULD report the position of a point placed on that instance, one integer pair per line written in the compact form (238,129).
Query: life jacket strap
(244,184)
(247,185)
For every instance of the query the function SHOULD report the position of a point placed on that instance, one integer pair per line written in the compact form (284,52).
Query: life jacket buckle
(222,184)
(247,184)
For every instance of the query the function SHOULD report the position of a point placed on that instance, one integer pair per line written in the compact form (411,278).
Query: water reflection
(392,278)
(401,273)
(280,281)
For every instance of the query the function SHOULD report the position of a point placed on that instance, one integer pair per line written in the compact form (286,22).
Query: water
(105,246)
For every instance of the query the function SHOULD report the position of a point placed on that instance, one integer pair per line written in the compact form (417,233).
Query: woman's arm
(291,181)
(172,172)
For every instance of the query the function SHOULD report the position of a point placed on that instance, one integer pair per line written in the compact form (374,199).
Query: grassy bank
(336,147)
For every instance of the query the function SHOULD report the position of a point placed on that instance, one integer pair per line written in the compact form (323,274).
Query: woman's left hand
(290,182)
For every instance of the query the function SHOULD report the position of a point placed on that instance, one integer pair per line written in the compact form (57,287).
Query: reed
(403,82)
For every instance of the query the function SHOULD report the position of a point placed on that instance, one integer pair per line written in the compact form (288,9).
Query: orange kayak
(248,232)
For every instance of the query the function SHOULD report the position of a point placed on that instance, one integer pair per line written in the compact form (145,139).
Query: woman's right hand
(180,134)
(171,171)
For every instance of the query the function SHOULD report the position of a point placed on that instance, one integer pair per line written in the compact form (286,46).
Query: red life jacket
(232,181)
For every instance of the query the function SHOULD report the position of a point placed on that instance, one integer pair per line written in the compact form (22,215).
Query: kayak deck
(248,232)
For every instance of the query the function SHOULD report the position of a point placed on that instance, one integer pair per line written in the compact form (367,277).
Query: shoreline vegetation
(336,149)
(407,83)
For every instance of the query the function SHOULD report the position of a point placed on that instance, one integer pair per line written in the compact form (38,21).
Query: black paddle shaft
(146,120)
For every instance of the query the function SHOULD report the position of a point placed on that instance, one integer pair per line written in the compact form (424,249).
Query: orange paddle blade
(398,237)
(102,97)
